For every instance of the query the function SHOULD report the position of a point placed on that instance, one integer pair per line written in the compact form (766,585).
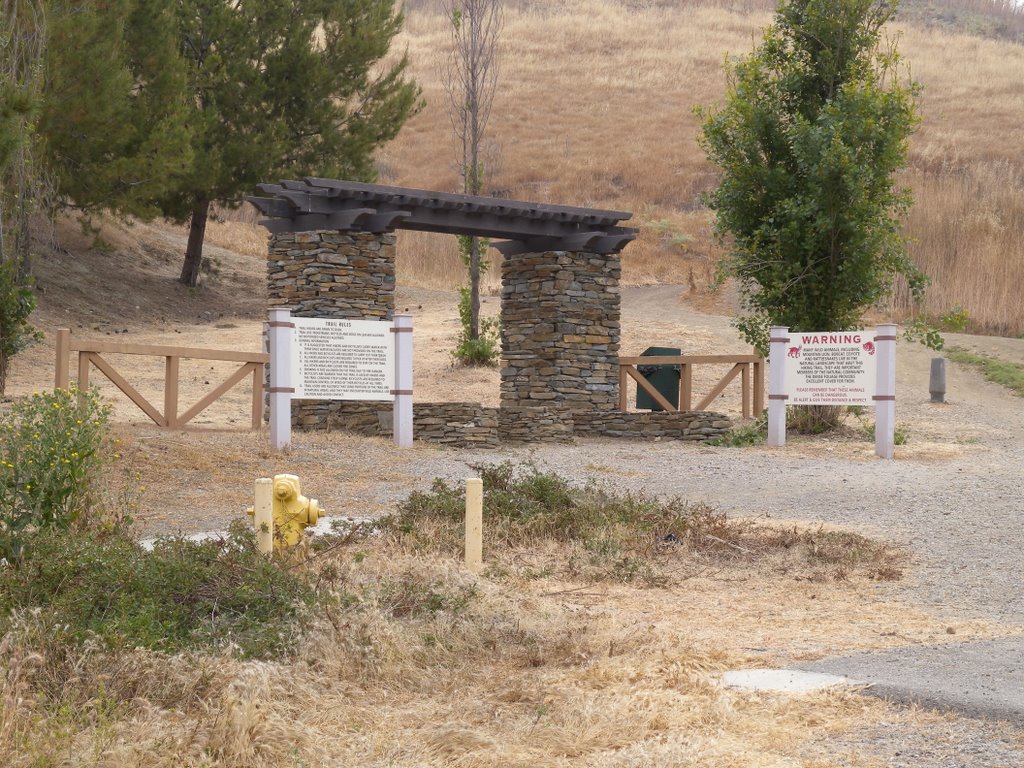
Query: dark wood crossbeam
(318,204)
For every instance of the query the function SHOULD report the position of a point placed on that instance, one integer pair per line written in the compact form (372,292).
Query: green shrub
(53,446)
(17,301)
(900,435)
(745,434)
(485,350)
(956,320)
(814,419)
(181,595)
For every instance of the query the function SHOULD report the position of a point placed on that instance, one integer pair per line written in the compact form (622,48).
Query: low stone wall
(460,425)
(692,425)
(535,424)
(470,425)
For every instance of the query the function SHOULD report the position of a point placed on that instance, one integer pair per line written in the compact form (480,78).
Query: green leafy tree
(814,127)
(283,87)
(113,127)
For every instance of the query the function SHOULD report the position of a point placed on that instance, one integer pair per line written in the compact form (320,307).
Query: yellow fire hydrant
(291,511)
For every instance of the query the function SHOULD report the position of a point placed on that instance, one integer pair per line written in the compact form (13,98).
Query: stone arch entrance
(332,254)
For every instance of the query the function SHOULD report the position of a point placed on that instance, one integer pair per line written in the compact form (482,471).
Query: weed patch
(183,595)
(744,435)
(1003,372)
(53,446)
(539,523)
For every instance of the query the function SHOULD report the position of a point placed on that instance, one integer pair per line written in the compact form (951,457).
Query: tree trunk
(194,249)
(474,288)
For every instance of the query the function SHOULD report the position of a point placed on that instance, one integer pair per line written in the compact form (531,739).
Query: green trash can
(665,379)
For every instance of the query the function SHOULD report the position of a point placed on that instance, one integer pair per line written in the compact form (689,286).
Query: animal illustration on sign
(795,351)
(869,347)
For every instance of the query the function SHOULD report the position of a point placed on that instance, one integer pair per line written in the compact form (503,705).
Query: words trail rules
(343,359)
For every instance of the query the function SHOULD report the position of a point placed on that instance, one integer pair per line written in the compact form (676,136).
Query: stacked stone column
(560,314)
(334,275)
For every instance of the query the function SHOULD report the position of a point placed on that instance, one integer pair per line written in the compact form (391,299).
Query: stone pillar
(331,274)
(560,330)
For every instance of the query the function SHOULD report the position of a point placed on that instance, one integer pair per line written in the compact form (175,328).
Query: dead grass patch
(539,524)
(420,663)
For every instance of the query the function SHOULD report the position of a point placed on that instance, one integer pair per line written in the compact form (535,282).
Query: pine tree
(113,126)
(283,88)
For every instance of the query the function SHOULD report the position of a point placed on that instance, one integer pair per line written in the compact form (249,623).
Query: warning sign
(343,359)
(831,368)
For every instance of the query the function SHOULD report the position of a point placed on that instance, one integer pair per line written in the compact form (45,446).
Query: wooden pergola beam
(331,204)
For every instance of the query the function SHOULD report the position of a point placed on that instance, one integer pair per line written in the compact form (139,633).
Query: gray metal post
(937,380)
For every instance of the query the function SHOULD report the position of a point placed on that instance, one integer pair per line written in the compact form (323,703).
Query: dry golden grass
(529,673)
(594,108)
(533,670)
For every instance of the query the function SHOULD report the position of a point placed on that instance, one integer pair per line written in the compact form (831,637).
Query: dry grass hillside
(595,108)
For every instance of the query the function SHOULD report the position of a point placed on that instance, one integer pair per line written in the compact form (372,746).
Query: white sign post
(885,392)
(834,368)
(402,390)
(777,385)
(339,359)
(279,337)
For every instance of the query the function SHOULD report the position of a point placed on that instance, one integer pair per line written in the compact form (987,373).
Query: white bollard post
(402,414)
(778,339)
(280,329)
(263,515)
(885,391)
(474,524)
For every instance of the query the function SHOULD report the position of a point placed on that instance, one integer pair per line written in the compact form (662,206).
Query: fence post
(758,388)
(474,524)
(402,409)
(171,370)
(885,391)
(280,327)
(778,339)
(62,379)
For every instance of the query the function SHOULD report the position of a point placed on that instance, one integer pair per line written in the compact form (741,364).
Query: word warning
(343,359)
(831,368)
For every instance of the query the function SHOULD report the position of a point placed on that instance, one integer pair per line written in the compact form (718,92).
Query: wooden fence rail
(750,369)
(89,355)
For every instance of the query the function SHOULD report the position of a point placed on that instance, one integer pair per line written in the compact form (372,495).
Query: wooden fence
(750,369)
(89,355)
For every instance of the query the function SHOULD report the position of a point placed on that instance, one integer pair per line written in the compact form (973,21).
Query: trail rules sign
(830,368)
(343,359)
